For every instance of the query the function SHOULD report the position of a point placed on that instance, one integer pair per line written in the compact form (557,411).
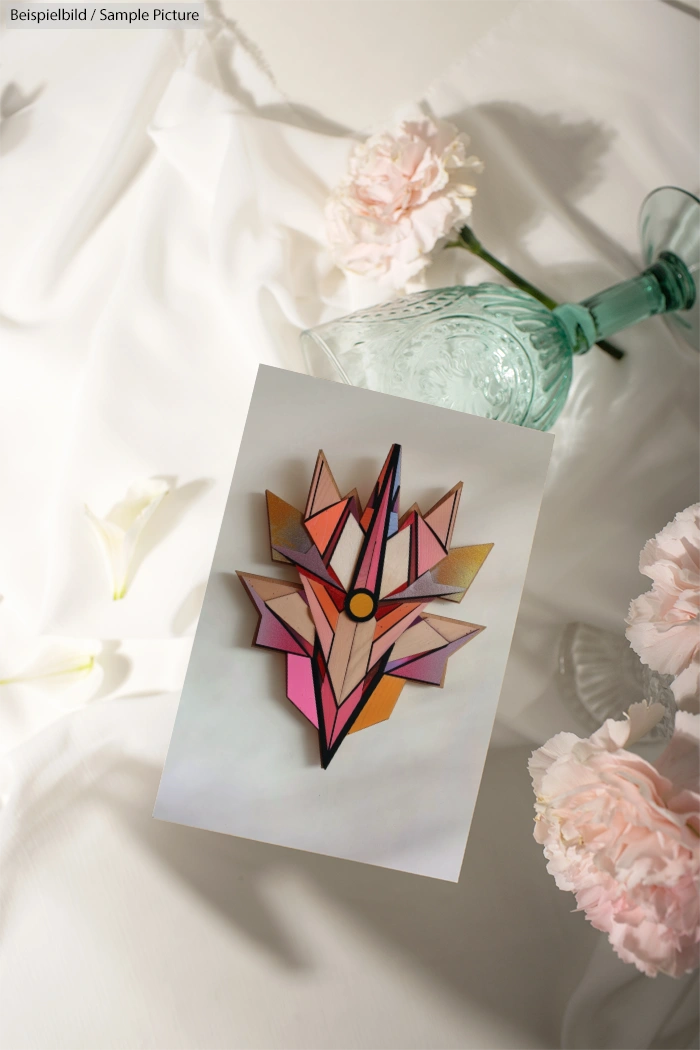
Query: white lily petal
(119,531)
(58,663)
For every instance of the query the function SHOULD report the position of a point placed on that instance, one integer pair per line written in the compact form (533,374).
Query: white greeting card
(349,656)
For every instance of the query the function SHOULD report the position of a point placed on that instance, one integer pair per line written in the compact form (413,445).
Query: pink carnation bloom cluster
(664,627)
(404,193)
(623,835)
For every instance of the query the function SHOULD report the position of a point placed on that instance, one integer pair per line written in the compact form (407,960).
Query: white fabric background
(162,235)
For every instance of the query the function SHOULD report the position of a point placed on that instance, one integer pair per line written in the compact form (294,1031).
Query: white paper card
(400,794)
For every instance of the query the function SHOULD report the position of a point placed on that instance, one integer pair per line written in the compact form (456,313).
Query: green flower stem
(468,241)
(472,244)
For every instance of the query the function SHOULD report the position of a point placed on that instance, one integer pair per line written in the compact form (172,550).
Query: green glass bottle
(498,352)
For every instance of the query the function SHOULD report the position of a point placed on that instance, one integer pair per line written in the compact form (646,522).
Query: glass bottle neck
(665,286)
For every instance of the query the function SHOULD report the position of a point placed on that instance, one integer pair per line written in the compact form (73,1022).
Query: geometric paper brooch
(354,628)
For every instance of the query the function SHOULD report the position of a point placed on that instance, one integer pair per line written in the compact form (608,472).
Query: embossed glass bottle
(498,352)
(600,675)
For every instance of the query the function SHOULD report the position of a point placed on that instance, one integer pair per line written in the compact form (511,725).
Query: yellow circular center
(361,605)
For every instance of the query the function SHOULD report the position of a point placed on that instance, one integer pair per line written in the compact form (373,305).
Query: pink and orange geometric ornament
(354,628)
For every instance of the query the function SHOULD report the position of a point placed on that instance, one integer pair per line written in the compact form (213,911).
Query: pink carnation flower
(623,835)
(403,194)
(663,623)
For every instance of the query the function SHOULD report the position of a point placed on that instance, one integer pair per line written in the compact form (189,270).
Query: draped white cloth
(163,234)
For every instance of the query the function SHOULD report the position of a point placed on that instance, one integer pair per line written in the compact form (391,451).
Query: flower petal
(664,623)
(119,531)
(623,835)
(59,663)
(642,718)
(404,193)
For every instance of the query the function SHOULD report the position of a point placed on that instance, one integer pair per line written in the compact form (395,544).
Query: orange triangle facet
(380,704)
(322,526)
